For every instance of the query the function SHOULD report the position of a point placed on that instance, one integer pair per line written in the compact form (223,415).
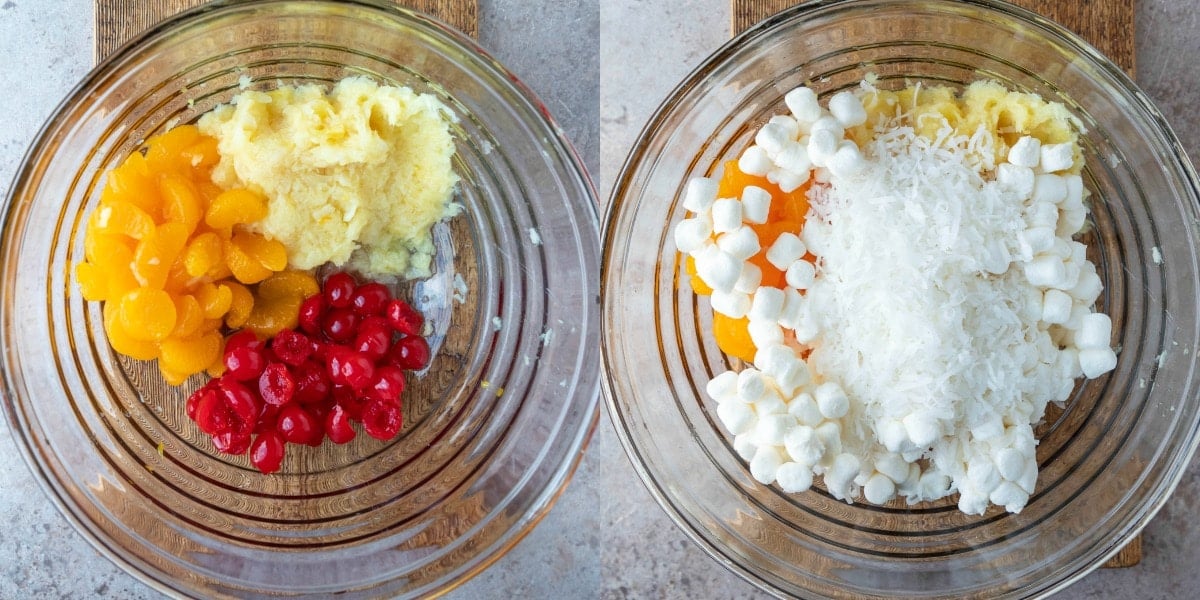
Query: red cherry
(311,311)
(312,384)
(297,425)
(244,362)
(351,368)
(243,404)
(388,383)
(243,339)
(337,425)
(339,290)
(232,442)
(340,324)
(382,419)
(410,353)
(276,385)
(291,346)
(212,416)
(370,298)
(268,418)
(403,317)
(266,453)
(374,338)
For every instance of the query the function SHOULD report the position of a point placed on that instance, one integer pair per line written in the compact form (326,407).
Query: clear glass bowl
(1108,461)
(494,428)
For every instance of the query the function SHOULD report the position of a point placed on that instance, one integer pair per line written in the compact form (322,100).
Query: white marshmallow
(726,215)
(988,429)
(1048,187)
(701,193)
(787,181)
(767,304)
(1057,157)
(737,416)
(1095,330)
(1028,479)
(787,249)
(765,463)
(1046,271)
(1097,361)
(847,161)
(770,403)
(1010,496)
(722,387)
(1056,306)
(794,307)
(831,400)
(983,474)
(933,484)
(765,333)
(789,124)
(1039,239)
(804,408)
(803,445)
(1070,222)
(749,279)
(691,234)
(774,359)
(971,501)
(921,429)
(830,434)
(741,243)
(1088,288)
(879,489)
(830,124)
(893,465)
(1015,178)
(751,385)
(841,473)
(756,204)
(1010,463)
(802,102)
(1042,214)
(717,269)
(732,304)
(800,274)
(772,428)
(1074,190)
(771,137)
(793,158)
(754,161)
(822,144)
(745,446)
(1027,152)
(794,478)
(893,435)
(847,109)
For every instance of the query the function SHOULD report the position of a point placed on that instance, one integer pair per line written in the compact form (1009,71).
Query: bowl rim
(589,399)
(655,125)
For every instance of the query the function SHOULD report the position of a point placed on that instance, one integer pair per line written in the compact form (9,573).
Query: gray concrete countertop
(605,538)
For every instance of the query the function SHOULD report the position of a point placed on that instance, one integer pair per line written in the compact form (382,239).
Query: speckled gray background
(600,66)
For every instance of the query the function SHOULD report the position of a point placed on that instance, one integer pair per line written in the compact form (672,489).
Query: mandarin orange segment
(181,202)
(733,336)
(99,247)
(241,303)
(215,299)
(92,283)
(733,181)
(698,285)
(147,314)
(271,254)
(188,316)
(163,151)
(269,317)
(289,284)
(202,155)
(131,183)
(121,341)
(156,253)
(187,356)
(117,269)
(245,268)
(122,218)
(203,255)
(234,207)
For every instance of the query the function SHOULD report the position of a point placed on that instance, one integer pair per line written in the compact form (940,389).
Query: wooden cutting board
(1106,24)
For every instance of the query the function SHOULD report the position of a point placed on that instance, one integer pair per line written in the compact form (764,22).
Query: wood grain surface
(1106,24)
(118,21)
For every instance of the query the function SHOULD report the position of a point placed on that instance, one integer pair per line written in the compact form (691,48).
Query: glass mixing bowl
(493,429)
(1108,460)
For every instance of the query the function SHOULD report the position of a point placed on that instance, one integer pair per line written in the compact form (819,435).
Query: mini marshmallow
(789,125)
(794,307)
(771,137)
(1039,239)
(737,416)
(717,269)
(983,474)
(847,161)
(921,429)
(793,158)
(800,274)
(691,234)
(1048,187)
(701,193)
(787,181)
(774,359)
(741,243)
(804,408)
(933,484)
(1057,157)
(803,445)
(765,333)
(770,403)
(722,387)
(832,400)
(751,385)
(756,204)
(765,463)
(1028,479)
(802,102)
(732,304)
(754,161)
(1097,361)
(1056,306)
(1094,331)
(726,215)
(1046,271)
(894,466)
(767,304)
(1062,248)
(745,446)
(1010,463)
(749,279)
(847,109)
(822,144)
(830,434)
(787,249)
(1074,190)
(879,489)
(971,501)
(1089,286)
(988,429)
(794,478)
(772,428)
(1070,222)
(1027,152)
(892,435)
(841,473)
(1010,496)
(830,124)
(1015,178)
